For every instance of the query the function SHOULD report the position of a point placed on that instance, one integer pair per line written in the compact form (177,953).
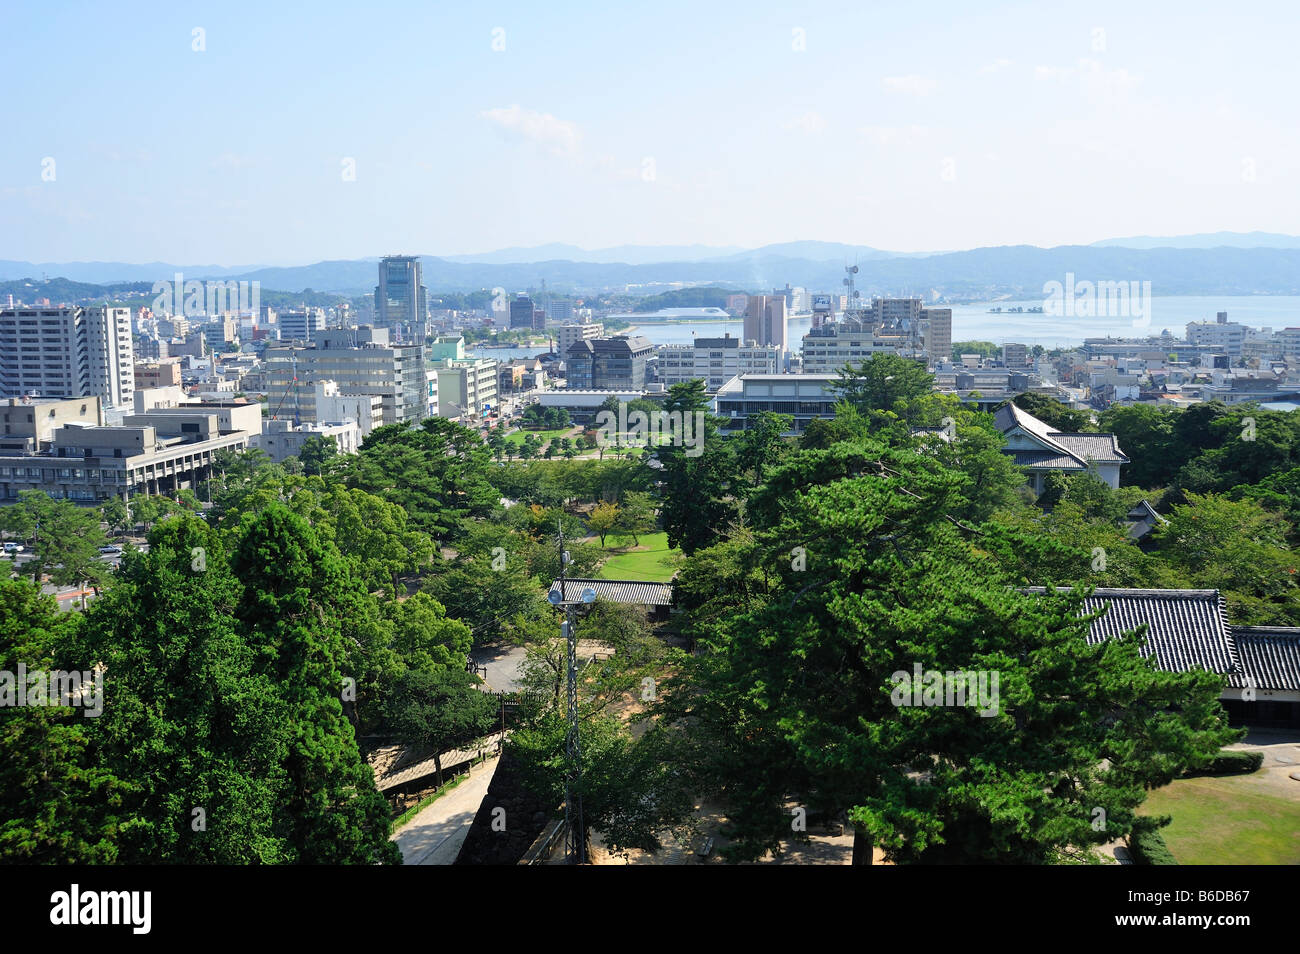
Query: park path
(434,836)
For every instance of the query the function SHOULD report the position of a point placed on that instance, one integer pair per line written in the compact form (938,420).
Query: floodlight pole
(575,848)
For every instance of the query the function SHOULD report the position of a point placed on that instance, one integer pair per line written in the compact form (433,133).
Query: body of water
(977,323)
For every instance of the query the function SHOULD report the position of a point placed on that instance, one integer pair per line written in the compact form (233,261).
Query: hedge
(1149,848)
(1232,762)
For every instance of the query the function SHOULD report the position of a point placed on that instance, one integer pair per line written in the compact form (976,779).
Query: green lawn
(517,438)
(650,563)
(1228,820)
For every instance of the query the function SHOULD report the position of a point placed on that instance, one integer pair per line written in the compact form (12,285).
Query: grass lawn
(517,438)
(1227,820)
(648,563)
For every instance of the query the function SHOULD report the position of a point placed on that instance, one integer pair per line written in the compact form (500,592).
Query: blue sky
(904,126)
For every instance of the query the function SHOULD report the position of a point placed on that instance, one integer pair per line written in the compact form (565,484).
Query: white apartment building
(1227,337)
(67,353)
(567,335)
(716,361)
(332,404)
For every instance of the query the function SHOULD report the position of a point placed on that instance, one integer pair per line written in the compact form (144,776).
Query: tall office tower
(400,300)
(521,312)
(67,353)
(765,321)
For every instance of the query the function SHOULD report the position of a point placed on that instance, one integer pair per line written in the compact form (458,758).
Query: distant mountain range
(1221,263)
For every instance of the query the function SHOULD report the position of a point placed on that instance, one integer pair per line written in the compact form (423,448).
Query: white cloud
(556,136)
(912,84)
(894,135)
(1092,75)
(809,123)
(1000,63)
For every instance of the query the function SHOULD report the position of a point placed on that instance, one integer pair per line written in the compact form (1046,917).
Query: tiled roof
(1063,446)
(1270,654)
(1045,460)
(1186,629)
(620,591)
(1098,447)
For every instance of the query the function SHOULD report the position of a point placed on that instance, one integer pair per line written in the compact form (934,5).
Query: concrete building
(617,363)
(584,404)
(715,361)
(29,425)
(566,335)
(765,321)
(1015,355)
(362,361)
(401,301)
(67,352)
(521,311)
(158,374)
(300,325)
(157,452)
(466,388)
(1225,336)
(805,397)
(282,440)
(332,404)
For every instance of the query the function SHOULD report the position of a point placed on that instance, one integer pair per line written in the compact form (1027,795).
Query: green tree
(58,803)
(698,504)
(636,516)
(602,519)
(441,709)
(318,453)
(332,812)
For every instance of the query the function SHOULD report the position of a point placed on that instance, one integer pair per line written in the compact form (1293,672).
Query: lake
(976,323)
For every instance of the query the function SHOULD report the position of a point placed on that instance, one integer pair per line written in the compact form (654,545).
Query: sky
(287,133)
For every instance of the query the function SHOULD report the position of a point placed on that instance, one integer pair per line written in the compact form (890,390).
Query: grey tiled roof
(1098,447)
(1044,460)
(1270,654)
(620,591)
(1186,629)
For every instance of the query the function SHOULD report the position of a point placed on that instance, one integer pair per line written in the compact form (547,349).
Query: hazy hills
(1220,263)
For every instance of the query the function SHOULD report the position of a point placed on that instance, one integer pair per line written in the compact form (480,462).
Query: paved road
(502,662)
(434,836)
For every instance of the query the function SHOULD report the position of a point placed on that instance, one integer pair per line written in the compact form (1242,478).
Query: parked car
(111,548)
(13,548)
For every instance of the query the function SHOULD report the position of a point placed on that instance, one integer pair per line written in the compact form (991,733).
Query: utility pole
(575,844)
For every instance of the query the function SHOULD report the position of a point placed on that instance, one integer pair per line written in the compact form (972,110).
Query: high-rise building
(67,353)
(521,311)
(765,321)
(937,323)
(400,300)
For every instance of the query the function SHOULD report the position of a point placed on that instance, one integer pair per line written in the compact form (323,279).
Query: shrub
(1149,848)
(1232,762)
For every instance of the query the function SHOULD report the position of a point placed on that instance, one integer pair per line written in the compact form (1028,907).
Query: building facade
(67,353)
